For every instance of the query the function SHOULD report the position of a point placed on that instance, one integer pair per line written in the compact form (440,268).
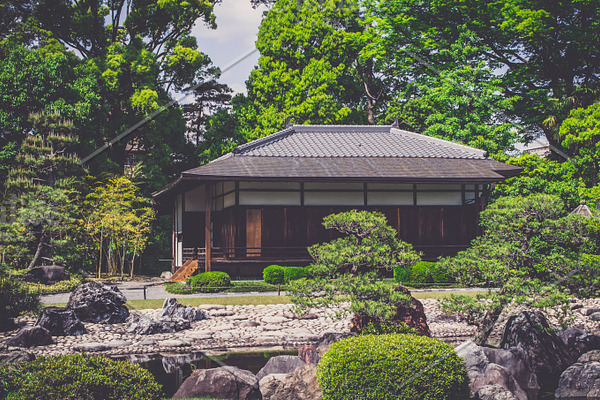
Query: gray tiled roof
(356,142)
(345,153)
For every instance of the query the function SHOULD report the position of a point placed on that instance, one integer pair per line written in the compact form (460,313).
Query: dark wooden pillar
(207,241)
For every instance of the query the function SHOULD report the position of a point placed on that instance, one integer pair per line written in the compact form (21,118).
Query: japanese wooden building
(265,201)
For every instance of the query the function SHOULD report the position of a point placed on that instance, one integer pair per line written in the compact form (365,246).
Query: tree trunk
(39,251)
(488,324)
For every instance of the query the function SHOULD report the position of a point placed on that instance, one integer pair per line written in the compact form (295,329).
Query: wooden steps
(186,270)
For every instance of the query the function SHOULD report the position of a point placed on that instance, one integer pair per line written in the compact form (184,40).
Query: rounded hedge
(213,281)
(274,274)
(78,376)
(294,273)
(422,272)
(391,367)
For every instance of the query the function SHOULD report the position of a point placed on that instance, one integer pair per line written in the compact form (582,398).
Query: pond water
(171,370)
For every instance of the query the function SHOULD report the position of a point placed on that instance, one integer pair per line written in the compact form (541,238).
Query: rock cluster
(98,303)
(582,379)
(46,275)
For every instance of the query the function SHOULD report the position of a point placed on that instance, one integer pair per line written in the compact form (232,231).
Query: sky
(237,27)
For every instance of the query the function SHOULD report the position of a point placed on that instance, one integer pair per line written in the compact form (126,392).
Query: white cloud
(237,27)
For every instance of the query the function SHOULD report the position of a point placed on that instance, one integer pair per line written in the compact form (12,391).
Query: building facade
(264,202)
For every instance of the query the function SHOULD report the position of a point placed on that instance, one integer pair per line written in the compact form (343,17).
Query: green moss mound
(274,274)
(213,281)
(392,367)
(78,376)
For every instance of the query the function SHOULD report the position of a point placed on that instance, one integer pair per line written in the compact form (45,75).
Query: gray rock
(174,309)
(590,311)
(91,347)
(30,336)
(222,382)
(548,355)
(595,316)
(248,324)
(98,303)
(16,357)
(299,385)
(493,392)
(269,384)
(166,275)
(61,322)
(46,275)
(280,365)
(579,342)
(581,381)
(515,360)
(143,325)
(483,373)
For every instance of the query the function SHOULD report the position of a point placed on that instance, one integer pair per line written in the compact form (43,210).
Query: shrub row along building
(264,202)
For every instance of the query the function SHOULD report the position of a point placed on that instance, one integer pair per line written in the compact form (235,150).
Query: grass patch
(226,301)
(238,287)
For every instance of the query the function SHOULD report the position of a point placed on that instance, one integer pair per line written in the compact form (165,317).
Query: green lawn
(252,300)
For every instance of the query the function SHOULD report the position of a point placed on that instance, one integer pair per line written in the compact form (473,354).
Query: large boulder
(98,303)
(143,325)
(61,321)
(548,355)
(484,373)
(493,392)
(268,385)
(299,385)
(578,341)
(222,383)
(581,381)
(30,336)
(174,309)
(280,365)
(46,275)
(312,353)
(516,361)
(413,316)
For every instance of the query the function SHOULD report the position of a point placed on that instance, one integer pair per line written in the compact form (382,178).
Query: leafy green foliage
(15,299)
(348,268)
(294,273)
(529,248)
(274,274)
(213,281)
(119,221)
(423,272)
(580,134)
(384,328)
(391,367)
(79,377)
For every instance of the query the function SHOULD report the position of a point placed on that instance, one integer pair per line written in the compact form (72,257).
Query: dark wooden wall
(435,230)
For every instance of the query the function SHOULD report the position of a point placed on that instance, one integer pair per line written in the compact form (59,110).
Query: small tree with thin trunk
(530,253)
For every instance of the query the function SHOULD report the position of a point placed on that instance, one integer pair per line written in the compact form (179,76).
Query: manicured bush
(423,272)
(213,281)
(78,376)
(392,367)
(274,274)
(59,287)
(294,273)
(387,327)
(15,299)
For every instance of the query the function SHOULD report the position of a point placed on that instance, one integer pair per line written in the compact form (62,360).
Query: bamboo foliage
(119,222)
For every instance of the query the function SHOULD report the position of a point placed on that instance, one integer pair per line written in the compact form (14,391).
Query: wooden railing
(246,253)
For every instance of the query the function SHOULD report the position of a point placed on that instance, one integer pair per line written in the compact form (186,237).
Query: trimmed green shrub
(387,327)
(392,367)
(274,274)
(210,282)
(423,272)
(15,299)
(78,376)
(294,273)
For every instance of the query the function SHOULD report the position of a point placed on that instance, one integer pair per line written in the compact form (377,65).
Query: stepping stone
(91,347)
(275,319)
(173,343)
